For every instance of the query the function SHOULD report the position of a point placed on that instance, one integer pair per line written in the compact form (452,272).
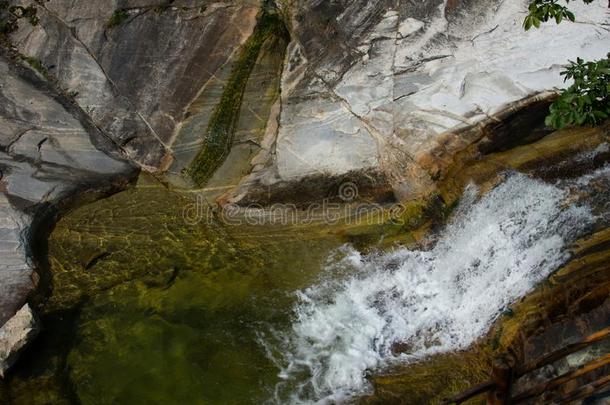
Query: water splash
(495,250)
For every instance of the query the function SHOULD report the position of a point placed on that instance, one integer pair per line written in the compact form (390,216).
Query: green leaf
(536,22)
(558,18)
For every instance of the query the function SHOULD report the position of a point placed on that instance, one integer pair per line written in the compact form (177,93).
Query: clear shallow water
(147,309)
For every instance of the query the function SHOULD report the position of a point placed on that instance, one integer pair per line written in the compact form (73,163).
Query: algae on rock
(222,125)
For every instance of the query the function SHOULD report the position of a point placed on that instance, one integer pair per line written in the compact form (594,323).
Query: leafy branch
(587,100)
(544,10)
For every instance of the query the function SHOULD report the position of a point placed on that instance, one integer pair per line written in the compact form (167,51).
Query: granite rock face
(399,86)
(136,76)
(46,153)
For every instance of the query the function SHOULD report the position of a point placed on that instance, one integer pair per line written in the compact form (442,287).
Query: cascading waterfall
(496,249)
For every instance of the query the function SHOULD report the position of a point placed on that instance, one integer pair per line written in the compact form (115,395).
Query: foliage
(118,17)
(544,10)
(587,101)
(10,16)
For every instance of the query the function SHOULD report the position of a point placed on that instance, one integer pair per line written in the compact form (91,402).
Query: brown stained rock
(370,186)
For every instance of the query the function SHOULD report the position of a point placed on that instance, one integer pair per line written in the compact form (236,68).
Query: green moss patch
(118,17)
(37,65)
(223,122)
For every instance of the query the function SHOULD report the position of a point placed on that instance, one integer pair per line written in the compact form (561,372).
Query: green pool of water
(145,308)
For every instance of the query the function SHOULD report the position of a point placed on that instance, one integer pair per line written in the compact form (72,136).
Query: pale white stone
(501,64)
(409,26)
(15,334)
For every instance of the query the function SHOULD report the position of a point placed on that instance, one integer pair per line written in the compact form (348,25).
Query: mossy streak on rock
(37,65)
(117,18)
(222,125)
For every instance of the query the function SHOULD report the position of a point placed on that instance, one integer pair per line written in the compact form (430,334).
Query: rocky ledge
(50,154)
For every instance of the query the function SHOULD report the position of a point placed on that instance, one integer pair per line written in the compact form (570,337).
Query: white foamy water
(495,250)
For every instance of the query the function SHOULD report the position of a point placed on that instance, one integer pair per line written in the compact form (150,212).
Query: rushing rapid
(495,250)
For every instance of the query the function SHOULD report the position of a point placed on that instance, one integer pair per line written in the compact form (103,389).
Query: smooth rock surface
(17,278)
(46,152)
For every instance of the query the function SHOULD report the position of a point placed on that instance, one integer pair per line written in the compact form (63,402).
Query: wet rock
(15,335)
(571,304)
(17,278)
(370,186)
(48,152)
(45,153)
